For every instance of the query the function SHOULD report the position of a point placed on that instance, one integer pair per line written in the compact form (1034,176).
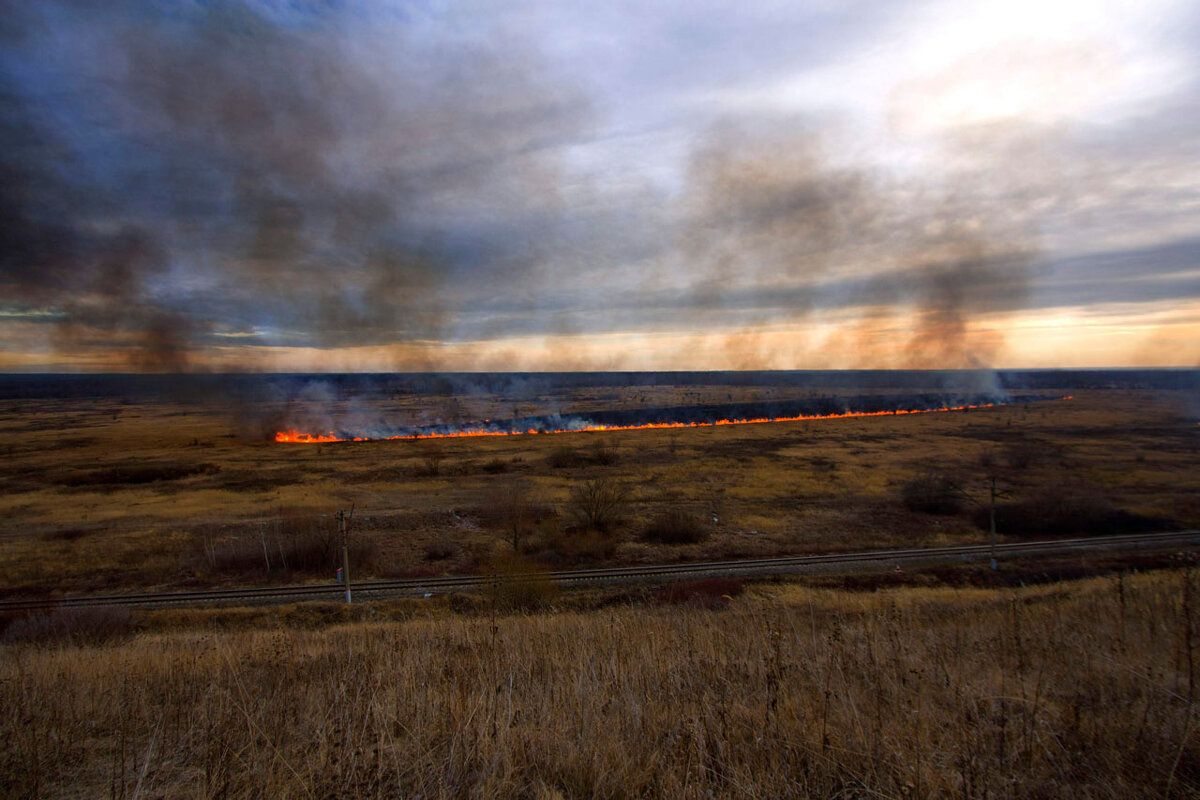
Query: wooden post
(341,518)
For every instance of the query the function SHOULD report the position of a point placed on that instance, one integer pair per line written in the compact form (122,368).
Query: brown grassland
(1079,689)
(102,496)
(1076,678)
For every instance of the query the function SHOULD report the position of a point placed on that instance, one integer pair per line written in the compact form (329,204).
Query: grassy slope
(1085,689)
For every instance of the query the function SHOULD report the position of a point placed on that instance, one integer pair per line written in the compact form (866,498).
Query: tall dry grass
(1087,690)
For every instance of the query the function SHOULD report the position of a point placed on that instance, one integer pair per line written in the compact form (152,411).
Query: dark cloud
(185,178)
(1151,274)
(323,176)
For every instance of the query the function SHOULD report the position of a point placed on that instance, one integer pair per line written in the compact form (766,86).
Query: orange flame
(295,437)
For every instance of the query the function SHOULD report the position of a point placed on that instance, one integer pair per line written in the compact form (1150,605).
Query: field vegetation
(1077,689)
(1076,677)
(103,494)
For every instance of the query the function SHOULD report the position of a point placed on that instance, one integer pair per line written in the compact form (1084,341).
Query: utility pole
(341,518)
(992,521)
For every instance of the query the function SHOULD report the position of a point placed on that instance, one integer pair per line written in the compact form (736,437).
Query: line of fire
(555,424)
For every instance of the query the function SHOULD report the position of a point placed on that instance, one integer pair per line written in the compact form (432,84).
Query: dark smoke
(172,177)
(777,229)
(227,178)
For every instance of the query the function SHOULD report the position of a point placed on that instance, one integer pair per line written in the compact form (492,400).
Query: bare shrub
(82,626)
(675,526)
(600,503)
(514,506)
(588,547)
(440,549)
(564,457)
(294,543)
(600,453)
(319,551)
(934,493)
(521,585)
(431,462)
(603,453)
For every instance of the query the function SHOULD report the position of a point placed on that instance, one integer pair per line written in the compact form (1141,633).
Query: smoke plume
(243,184)
(777,228)
(236,174)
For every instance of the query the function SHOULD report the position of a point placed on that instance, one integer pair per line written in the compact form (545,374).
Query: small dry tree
(599,503)
(432,460)
(515,503)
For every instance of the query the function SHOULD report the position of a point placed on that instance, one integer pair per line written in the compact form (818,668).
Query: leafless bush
(564,456)
(521,585)
(305,544)
(66,534)
(319,552)
(675,526)
(599,453)
(600,503)
(440,549)
(934,493)
(431,462)
(514,506)
(603,453)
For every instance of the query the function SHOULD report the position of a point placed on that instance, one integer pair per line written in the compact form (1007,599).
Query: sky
(469,186)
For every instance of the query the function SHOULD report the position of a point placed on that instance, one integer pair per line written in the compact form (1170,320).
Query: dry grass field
(948,682)
(103,494)
(1076,690)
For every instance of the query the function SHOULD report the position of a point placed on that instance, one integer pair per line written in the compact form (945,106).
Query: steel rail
(745,566)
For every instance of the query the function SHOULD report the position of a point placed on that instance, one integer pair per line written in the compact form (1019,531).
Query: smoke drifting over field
(245,185)
(228,170)
(781,229)
(695,416)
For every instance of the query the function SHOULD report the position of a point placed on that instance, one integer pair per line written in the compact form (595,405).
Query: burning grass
(1066,690)
(559,425)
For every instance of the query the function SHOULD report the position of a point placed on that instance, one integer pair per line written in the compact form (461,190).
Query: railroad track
(419,587)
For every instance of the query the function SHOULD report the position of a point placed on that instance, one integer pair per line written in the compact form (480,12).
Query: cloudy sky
(348,185)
